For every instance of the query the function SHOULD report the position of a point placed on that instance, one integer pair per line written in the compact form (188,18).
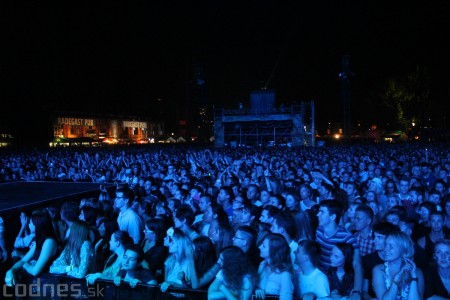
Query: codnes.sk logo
(51,290)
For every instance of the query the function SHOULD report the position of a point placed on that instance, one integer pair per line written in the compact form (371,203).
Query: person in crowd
(275,271)
(249,213)
(245,238)
(224,198)
(155,253)
(362,223)
(446,210)
(104,195)
(204,204)
(441,187)
(101,248)
(106,210)
(58,224)
(425,210)
(310,282)
(128,219)
(42,250)
(179,267)
(183,220)
(132,271)
(415,197)
(3,250)
(398,277)
(347,219)
(393,216)
(435,234)
(77,258)
(204,258)
(284,224)
(277,201)
(375,185)
(437,276)
(306,197)
(435,198)
(340,275)
(292,202)
(352,190)
(380,232)
(267,214)
(304,226)
(264,197)
(117,244)
(253,194)
(173,203)
(420,255)
(69,213)
(221,234)
(403,192)
(377,210)
(24,238)
(161,209)
(236,278)
(391,186)
(89,215)
(391,201)
(195,194)
(145,210)
(329,233)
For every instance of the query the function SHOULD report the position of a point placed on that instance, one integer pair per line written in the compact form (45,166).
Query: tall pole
(346,95)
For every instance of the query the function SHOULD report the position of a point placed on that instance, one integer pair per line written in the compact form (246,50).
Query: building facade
(110,130)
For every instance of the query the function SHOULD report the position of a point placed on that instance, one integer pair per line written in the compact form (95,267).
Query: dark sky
(110,56)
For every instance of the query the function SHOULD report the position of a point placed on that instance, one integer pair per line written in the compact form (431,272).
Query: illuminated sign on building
(134,124)
(75,121)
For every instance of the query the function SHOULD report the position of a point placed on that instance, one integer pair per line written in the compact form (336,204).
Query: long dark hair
(43,228)
(279,252)
(204,255)
(110,226)
(236,265)
(159,227)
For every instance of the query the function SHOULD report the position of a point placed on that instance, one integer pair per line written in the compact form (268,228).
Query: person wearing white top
(128,220)
(310,282)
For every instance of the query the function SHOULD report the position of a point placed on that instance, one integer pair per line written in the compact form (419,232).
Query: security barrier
(58,287)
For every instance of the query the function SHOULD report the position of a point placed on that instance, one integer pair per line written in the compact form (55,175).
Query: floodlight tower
(346,94)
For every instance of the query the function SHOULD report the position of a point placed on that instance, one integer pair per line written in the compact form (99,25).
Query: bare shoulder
(378,268)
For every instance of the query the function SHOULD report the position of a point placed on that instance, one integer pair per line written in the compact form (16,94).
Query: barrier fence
(58,287)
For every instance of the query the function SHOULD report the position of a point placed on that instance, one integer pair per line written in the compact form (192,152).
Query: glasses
(238,238)
(148,231)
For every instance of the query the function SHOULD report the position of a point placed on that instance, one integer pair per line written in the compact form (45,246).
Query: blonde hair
(445,242)
(404,242)
(184,245)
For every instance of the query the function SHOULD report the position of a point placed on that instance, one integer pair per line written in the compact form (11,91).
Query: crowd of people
(354,222)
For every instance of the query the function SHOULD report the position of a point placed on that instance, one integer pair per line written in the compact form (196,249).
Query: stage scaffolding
(293,125)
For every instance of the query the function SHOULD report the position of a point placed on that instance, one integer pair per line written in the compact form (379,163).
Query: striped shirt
(327,243)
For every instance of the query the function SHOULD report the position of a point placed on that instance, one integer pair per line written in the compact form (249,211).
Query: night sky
(120,57)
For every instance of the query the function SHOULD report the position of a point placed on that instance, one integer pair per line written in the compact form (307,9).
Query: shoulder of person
(378,267)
